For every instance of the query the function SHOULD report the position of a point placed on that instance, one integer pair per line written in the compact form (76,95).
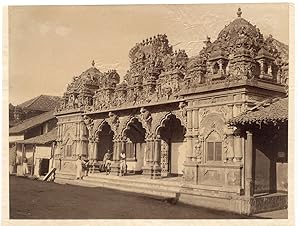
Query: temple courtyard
(33,199)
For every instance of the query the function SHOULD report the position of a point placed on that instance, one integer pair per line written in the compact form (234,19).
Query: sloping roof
(32,122)
(269,111)
(42,139)
(41,103)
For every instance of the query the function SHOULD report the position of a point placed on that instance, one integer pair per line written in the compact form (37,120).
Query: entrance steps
(166,188)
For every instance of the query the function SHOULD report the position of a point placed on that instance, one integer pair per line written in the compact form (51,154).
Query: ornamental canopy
(158,73)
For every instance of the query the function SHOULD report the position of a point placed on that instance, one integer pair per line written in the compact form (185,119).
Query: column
(231,148)
(195,133)
(156,173)
(248,165)
(238,155)
(189,136)
(147,169)
(117,146)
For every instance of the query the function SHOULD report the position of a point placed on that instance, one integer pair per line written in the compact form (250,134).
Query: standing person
(25,166)
(79,168)
(86,166)
(106,161)
(122,163)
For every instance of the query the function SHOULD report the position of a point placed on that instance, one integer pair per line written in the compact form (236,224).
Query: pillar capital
(249,133)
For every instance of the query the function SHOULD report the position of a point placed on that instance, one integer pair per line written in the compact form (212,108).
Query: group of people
(83,166)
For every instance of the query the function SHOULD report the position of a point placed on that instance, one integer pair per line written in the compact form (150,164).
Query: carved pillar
(238,155)
(249,165)
(230,145)
(156,173)
(95,149)
(91,155)
(196,120)
(195,133)
(230,107)
(117,147)
(238,108)
(149,149)
(189,136)
(164,158)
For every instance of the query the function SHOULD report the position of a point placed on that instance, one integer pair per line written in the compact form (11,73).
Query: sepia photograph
(126,112)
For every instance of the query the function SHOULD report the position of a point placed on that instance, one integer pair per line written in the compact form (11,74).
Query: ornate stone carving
(164,157)
(198,149)
(89,123)
(113,121)
(157,72)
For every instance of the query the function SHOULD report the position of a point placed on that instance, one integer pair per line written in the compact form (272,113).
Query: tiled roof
(41,103)
(42,139)
(32,122)
(269,111)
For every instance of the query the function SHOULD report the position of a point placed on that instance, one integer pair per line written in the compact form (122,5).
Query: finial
(239,12)
(93,63)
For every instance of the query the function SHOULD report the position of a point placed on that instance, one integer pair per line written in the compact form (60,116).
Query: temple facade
(170,112)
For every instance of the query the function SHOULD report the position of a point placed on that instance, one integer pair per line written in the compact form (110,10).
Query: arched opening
(216,68)
(173,150)
(134,146)
(105,141)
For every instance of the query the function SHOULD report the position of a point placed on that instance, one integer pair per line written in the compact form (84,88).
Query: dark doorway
(105,140)
(135,145)
(44,167)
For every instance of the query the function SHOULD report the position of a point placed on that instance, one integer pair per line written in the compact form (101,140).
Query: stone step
(140,182)
(145,189)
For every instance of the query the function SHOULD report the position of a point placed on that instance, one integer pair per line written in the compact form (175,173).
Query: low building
(31,108)
(43,149)
(265,130)
(29,128)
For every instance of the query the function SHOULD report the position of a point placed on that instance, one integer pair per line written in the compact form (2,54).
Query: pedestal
(156,172)
(115,168)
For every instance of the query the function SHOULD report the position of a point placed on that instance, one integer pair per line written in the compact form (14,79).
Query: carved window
(214,147)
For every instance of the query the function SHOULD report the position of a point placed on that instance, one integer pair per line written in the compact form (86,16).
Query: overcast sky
(49,45)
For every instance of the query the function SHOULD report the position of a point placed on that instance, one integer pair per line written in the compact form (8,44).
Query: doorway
(134,147)
(44,167)
(173,148)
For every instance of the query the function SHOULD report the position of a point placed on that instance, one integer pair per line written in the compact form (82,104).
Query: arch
(215,68)
(213,135)
(171,133)
(164,119)
(99,128)
(212,121)
(131,120)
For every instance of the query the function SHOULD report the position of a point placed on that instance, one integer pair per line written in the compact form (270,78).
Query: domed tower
(79,93)
(239,52)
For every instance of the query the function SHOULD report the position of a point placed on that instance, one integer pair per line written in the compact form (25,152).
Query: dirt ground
(32,199)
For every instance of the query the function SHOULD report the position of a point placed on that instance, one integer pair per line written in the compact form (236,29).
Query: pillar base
(156,172)
(115,169)
(147,170)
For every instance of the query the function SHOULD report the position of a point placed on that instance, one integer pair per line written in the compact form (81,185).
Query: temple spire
(93,63)
(239,12)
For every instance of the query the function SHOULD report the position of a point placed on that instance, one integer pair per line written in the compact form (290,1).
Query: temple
(171,115)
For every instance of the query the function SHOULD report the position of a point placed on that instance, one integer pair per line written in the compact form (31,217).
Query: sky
(48,45)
